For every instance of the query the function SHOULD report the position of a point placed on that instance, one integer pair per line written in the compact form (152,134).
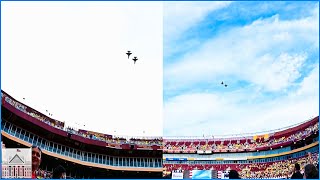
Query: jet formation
(134,58)
(225,85)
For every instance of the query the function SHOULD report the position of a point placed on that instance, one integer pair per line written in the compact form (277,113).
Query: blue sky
(267,53)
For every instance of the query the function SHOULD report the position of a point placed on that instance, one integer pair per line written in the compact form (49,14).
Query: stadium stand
(269,155)
(243,144)
(84,154)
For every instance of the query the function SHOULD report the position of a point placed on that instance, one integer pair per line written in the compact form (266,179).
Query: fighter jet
(225,85)
(128,53)
(135,59)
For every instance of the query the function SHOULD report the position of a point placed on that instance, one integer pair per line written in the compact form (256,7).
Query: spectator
(297,174)
(59,173)
(233,174)
(36,160)
(310,172)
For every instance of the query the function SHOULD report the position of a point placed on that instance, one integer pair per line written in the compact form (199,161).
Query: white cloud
(269,52)
(310,84)
(228,113)
(280,71)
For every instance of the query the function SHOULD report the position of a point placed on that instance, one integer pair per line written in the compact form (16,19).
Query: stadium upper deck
(259,142)
(262,155)
(87,154)
(88,137)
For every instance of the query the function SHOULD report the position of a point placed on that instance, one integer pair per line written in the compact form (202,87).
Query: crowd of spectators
(33,113)
(57,173)
(141,141)
(271,170)
(116,140)
(249,144)
(210,145)
(43,174)
(280,168)
(96,136)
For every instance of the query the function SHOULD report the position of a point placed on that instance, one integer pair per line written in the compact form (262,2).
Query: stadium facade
(262,155)
(89,154)
(84,154)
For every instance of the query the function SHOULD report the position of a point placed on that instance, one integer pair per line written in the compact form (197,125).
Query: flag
(18,150)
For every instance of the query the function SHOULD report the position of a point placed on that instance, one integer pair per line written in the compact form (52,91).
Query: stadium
(194,68)
(84,154)
(266,155)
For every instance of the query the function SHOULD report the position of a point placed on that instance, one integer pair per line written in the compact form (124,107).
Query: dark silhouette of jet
(222,82)
(225,85)
(135,59)
(128,53)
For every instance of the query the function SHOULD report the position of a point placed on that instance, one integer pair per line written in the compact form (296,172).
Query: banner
(176,159)
(201,174)
(224,174)
(96,134)
(200,152)
(259,137)
(178,174)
